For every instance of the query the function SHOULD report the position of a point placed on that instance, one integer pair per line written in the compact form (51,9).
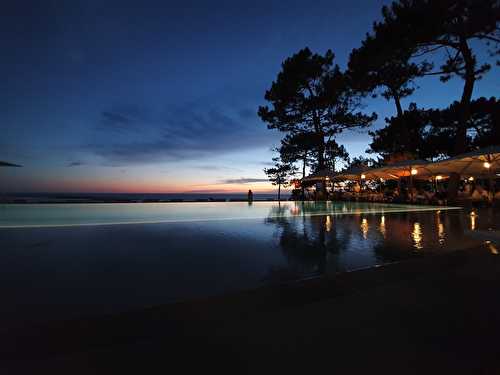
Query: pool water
(47,215)
(68,260)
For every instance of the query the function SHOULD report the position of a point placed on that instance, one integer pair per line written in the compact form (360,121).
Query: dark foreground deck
(432,315)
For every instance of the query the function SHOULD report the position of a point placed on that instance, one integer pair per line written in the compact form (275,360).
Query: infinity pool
(51,215)
(69,260)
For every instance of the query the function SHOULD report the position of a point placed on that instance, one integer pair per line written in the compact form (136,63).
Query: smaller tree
(333,153)
(280,174)
(299,147)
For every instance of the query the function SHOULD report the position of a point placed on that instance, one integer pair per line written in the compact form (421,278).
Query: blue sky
(162,96)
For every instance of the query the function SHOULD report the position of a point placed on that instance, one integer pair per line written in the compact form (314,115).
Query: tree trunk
(321,143)
(470,78)
(399,109)
(279,191)
(461,134)
(321,150)
(405,134)
(303,176)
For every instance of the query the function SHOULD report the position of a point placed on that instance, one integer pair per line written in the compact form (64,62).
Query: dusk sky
(141,96)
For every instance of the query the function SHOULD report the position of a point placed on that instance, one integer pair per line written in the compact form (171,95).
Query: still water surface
(64,261)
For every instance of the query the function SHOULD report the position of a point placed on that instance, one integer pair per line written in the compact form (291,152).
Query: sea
(132,197)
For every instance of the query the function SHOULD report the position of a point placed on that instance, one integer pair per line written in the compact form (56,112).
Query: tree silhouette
(299,147)
(425,27)
(334,152)
(383,64)
(483,125)
(280,174)
(404,134)
(311,95)
(430,131)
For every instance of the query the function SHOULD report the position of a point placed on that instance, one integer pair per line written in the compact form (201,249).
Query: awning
(483,162)
(400,169)
(352,173)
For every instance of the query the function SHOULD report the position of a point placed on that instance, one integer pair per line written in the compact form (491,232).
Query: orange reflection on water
(493,249)
(382,226)
(364,228)
(441,233)
(472,220)
(416,234)
(440,228)
(328,224)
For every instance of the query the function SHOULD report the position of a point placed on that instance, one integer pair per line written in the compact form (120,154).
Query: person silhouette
(250,196)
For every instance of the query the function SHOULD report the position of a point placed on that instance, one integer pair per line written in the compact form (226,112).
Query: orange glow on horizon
(91,186)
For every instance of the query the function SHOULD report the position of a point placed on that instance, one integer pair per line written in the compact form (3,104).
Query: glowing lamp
(414,172)
(439,177)
(471,178)
(486,164)
(363,176)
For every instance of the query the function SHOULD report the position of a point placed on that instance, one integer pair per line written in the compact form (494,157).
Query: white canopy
(400,169)
(352,173)
(483,162)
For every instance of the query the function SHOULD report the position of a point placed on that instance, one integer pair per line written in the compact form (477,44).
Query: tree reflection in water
(315,244)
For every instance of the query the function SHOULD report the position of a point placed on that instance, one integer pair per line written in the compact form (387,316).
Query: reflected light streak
(472,220)
(328,224)
(364,228)
(382,226)
(441,233)
(417,235)
(440,226)
(493,249)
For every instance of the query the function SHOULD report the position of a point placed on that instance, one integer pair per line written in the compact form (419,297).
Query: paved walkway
(434,315)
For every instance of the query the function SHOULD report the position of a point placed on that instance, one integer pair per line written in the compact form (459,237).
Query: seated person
(420,196)
(479,194)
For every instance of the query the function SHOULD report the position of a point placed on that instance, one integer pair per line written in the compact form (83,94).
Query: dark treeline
(312,100)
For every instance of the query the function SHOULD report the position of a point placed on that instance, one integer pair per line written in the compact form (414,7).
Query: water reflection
(315,245)
(492,247)
(382,225)
(472,220)
(364,228)
(416,234)
(328,224)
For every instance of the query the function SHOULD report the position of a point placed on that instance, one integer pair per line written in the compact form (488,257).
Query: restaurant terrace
(414,181)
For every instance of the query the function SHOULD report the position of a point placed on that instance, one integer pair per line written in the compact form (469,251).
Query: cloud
(110,118)
(75,163)
(214,167)
(266,163)
(243,180)
(186,133)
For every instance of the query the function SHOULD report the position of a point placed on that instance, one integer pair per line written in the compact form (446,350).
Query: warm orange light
(486,164)
(471,178)
(414,172)
(363,176)
(417,236)
(439,177)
